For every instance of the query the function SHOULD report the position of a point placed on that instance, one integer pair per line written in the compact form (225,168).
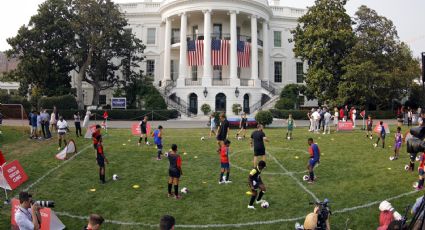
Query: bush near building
(264,117)
(128,114)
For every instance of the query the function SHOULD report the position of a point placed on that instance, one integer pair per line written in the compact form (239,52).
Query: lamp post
(205,92)
(237,92)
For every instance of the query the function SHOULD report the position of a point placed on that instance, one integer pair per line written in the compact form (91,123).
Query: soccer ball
(306,177)
(289,138)
(265,204)
(240,138)
(147,143)
(418,158)
(370,137)
(115,177)
(391,158)
(406,167)
(202,138)
(184,190)
(415,185)
(375,145)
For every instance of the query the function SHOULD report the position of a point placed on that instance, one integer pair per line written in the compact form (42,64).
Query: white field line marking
(55,168)
(344,210)
(294,178)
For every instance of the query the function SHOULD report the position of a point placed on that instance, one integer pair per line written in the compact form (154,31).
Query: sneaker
(228,181)
(138,144)
(59,148)
(251,207)
(170,195)
(324,133)
(158,158)
(222,182)
(259,201)
(178,197)
(371,137)
(418,188)
(310,181)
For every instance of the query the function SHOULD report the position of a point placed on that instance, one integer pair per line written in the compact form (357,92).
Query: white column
(266,55)
(167,48)
(207,78)
(234,81)
(254,48)
(183,50)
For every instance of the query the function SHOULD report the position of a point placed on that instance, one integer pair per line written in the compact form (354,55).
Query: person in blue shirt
(382,134)
(34,125)
(157,137)
(314,159)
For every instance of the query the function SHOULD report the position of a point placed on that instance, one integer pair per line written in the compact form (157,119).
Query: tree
(42,48)
(289,97)
(379,68)
(324,38)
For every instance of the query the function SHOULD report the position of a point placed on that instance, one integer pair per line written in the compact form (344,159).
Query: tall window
(217,72)
(174,70)
(102,99)
(239,73)
(151,36)
(278,71)
(194,32)
(217,29)
(194,73)
(175,35)
(277,38)
(300,72)
(301,100)
(150,67)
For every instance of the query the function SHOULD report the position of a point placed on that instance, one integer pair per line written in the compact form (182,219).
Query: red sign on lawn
(13,175)
(345,126)
(135,129)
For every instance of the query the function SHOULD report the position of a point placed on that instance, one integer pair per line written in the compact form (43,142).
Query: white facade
(164,24)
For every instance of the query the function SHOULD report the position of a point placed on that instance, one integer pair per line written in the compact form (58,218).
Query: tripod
(418,216)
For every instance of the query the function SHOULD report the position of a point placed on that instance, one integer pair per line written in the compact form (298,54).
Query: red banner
(135,129)
(2,159)
(49,220)
(90,130)
(13,175)
(345,126)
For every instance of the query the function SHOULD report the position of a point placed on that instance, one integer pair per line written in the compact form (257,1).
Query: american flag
(220,52)
(244,50)
(195,50)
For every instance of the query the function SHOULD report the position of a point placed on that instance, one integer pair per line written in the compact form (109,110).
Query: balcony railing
(222,82)
(190,82)
(247,82)
(175,39)
(224,36)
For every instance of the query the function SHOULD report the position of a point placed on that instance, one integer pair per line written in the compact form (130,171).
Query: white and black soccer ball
(147,143)
(184,190)
(306,177)
(202,138)
(415,185)
(265,204)
(115,177)
(406,167)
(289,138)
(240,138)
(391,158)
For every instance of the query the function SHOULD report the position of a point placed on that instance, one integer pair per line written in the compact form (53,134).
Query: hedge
(61,102)
(302,114)
(129,114)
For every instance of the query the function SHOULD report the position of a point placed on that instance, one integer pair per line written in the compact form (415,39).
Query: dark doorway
(193,103)
(246,103)
(220,102)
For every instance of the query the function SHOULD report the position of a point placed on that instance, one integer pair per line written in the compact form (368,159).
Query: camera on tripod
(322,214)
(415,143)
(44,203)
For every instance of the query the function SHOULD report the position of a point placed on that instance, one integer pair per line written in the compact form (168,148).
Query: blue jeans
(46,129)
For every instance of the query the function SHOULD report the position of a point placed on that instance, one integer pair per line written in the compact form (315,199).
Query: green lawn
(352,173)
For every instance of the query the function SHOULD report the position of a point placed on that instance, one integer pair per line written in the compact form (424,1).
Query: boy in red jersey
(101,159)
(421,172)
(174,171)
(225,164)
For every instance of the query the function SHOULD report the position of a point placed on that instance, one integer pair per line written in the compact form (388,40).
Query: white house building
(216,52)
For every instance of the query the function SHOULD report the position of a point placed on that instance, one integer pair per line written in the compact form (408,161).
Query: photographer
(27,215)
(319,219)
(95,222)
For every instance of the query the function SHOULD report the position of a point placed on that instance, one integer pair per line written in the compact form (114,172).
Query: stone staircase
(174,102)
(273,93)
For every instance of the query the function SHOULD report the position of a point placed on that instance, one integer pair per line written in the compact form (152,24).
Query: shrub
(206,109)
(284,103)
(15,99)
(155,102)
(283,114)
(61,102)
(264,117)
(236,108)
(128,114)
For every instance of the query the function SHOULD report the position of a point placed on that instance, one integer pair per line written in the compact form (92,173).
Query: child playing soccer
(143,130)
(242,125)
(174,171)
(314,159)
(369,124)
(101,159)
(397,143)
(225,165)
(291,124)
(255,182)
(421,173)
(381,135)
(157,136)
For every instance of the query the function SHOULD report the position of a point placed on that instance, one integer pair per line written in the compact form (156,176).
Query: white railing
(283,11)
(247,82)
(140,7)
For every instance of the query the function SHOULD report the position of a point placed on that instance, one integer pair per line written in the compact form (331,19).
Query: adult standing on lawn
(222,131)
(77,123)
(53,121)
(258,137)
(87,119)
(45,124)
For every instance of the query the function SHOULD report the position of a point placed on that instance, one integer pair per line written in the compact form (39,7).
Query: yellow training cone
(389,168)
(93,190)
(248,193)
(124,144)
(136,186)
(296,157)
(196,157)
(185,153)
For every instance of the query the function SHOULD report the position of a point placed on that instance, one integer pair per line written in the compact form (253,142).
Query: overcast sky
(407,15)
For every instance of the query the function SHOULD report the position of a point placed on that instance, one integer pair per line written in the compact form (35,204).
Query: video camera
(323,213)
(44,203)
(415,143)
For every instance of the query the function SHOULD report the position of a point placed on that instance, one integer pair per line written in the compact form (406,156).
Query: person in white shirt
(62,129)
(316,118)
(27,215)
(87,119)
(409,117)
(353,116)
(327,118)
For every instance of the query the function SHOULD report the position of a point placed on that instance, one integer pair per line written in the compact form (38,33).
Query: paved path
(179,123)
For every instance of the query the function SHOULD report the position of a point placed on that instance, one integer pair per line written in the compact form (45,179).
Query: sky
(407,15)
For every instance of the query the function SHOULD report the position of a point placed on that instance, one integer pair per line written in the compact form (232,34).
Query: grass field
(352,175)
